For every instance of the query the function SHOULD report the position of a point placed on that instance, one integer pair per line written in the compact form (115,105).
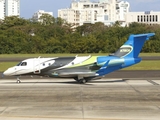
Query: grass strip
(5,65)
(145,65)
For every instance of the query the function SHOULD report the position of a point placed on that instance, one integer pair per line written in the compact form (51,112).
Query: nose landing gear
(18,80)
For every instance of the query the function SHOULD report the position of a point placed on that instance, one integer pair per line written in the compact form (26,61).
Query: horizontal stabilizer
(103,68)
(110,66)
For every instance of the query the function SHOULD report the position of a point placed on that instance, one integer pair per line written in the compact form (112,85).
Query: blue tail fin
(133,45)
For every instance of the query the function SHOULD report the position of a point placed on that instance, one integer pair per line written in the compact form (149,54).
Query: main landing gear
(81,81)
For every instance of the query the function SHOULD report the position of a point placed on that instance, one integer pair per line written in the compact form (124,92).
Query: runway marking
(140,93)
(3,110)
(152,82)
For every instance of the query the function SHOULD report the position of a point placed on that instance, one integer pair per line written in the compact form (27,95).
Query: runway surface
(65,99)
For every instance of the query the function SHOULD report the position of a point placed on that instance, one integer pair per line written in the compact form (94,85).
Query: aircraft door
(36,66)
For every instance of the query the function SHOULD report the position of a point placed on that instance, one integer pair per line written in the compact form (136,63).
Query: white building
(84,11)
(2,12)
(39,13)
(148,17)
(9,8)
(122,8)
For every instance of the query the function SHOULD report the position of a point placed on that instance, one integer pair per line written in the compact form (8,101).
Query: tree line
(55,35)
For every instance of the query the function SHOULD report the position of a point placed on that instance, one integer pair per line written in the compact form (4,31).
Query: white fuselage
(33,65)
(36,65)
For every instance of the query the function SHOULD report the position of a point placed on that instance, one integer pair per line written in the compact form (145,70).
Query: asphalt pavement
(65,99)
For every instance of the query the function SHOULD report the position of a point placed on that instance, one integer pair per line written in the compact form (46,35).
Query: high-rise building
(85,11)
(2,9)
(122,8)
(9,8)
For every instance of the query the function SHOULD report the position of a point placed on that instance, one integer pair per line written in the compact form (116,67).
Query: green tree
(13,21)
(47,19)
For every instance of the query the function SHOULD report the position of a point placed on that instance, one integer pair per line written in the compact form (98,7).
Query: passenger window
(24,64)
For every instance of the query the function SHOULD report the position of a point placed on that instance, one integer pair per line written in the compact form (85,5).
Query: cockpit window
(24,64)
(19,64)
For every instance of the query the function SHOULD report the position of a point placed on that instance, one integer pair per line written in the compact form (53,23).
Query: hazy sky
(28,7)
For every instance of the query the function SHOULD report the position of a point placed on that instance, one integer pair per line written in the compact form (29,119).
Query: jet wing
(73,74)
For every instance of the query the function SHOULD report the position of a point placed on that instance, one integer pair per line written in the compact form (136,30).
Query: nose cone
(7,73)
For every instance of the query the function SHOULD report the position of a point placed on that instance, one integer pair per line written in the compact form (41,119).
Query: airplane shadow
(109,81)
(68,82)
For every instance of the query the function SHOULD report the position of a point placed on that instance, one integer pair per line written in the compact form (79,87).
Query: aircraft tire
(18,81)
(83,81)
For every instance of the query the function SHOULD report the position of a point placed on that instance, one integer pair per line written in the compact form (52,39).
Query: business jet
(83,68)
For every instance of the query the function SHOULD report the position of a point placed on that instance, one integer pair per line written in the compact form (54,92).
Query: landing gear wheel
(83,81)
(18,81)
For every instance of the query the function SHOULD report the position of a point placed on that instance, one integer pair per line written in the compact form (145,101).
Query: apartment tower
(9,8)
